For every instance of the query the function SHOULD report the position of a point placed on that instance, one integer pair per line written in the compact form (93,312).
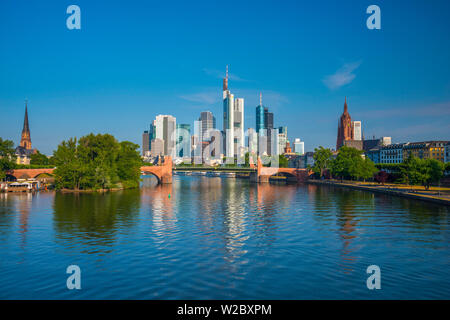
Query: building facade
(183,147)
(299,146)
(252,141)
(447,153)
(208,122)
(357,130)
(165,130)
(233,122)
(426,150)
(157,147)
(392,153)
(145,143)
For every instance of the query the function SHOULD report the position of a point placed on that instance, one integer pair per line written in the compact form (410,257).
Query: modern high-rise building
(260,115)
(183,140)
(252,141)
(239,139)
(157,147)
(145,143)
(299,146)
(233,121)
(165,130)
(357,130)
(282,140)
(267,134)
(208,122)
(268,119)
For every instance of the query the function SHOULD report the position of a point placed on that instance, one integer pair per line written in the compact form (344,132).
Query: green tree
(39,159)
(409,171)
(97,162)
(283,162)
(368,169)
(348,164)
(7,157)
(431,171)
(129,164)
(322,159)
(69,170)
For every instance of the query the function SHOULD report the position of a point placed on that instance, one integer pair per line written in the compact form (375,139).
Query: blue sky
(132,60)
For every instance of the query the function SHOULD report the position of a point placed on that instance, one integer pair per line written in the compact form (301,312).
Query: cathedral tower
(345,128)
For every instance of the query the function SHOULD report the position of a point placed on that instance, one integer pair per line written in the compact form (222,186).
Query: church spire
(26,126)
(345,106)
(25,141)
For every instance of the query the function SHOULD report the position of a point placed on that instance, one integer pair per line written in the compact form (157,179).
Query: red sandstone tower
(25,142)
(345,128)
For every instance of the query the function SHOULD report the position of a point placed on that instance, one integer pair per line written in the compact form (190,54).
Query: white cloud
(342,76)
(206,97)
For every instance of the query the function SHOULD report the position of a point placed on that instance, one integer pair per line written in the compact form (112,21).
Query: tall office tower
(283,130)
(260,115)
(239,142)
(299,146)
(274,139)
(145,143)
(208,122)
(282,141)
(268,119)
(183,140)
(233,128)
(157,147)
(357,130)
(271,132)
(252,141)
(165,128)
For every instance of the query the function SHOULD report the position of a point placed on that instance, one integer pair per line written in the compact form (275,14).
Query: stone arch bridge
(163,172)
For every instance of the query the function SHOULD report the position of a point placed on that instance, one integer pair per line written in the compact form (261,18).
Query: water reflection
(16,203)
(91,221)
(217,238)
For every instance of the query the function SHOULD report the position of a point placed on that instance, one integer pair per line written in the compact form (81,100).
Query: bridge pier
(163,172)
(166,179)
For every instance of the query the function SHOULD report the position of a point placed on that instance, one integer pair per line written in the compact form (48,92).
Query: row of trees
(97,162)
(425,172)
(349,164)
(7,157)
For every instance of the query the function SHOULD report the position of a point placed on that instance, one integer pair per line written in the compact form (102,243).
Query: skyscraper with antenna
(233,122)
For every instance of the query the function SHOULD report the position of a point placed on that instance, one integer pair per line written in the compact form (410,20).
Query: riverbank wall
(377,189)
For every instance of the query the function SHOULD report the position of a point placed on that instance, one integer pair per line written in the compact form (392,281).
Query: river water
(219,238)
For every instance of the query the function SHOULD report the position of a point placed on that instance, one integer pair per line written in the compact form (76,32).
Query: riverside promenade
(435,194)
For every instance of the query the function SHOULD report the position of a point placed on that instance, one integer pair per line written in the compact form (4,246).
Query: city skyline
(305,61)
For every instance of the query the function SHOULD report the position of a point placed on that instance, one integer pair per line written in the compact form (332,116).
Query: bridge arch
(163,172)
(264,173)
(150,173)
